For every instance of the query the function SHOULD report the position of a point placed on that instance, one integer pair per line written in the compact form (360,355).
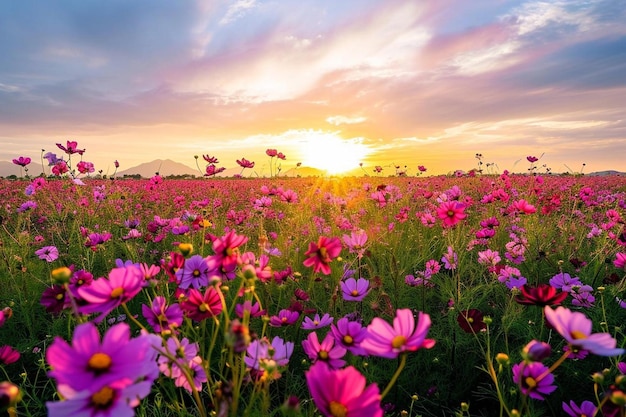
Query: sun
(330,153)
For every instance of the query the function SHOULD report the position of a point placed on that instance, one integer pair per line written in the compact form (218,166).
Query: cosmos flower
(48,253)
(316,322)
(350,334)
(90,363)
(200,306)
(342,392)
(8,355)
(284,317)
(527,377)
(253,309)
(326,351)
(471,321)
(355,290)
(22,161)
(320,254)
(268,359)
(586,408)
(194,273)
(620,260)
(451,213)
(575,328)
(71,148)
(542,295)
(405,336)
(161,316)
(105,294)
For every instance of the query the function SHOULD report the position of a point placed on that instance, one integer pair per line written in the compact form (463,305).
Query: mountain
(163,167)
(9,168)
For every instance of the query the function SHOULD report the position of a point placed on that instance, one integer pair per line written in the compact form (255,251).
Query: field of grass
(210,296)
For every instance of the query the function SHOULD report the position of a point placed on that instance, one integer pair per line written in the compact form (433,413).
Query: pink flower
(105,294)
(575,328)
(342,392)
(48,253)
(451,212)
(523,206)
(244,163)
(320,254)
(271,152)
(327,351)
(405,336)
(22,161)
(71,148)
(620,260)
(8,355)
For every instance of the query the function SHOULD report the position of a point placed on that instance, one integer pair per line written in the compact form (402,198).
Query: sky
(328,83)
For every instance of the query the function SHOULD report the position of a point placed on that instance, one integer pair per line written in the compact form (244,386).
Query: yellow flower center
(338,409)
(99,361)
(324,254)
(117,293)
(398,342)
(354,293)
(203,307)
(102,398)
(530,382)
(196,273)
(577,334)
(59,296)
(348,340)
(470,320)
(323,355)
(450,213)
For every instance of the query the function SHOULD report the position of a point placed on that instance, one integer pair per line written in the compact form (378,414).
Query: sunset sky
(381,82)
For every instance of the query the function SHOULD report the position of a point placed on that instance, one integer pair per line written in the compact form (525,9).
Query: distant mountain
(605,173)
(163,167)
(9,168)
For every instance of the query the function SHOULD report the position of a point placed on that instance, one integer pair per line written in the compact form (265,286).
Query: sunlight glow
(331,153)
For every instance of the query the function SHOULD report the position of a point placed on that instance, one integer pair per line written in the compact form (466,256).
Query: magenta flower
(354,290)
(405,336)
(91,364)
(575,328)
(620,260)
(175,353)
(226,249)
(285,317)
(22,161)
(118,398)
(253,309)
(320,254)
(342,392)
(316,322)
(200,306)
(71,148)
(197,374)
(356,242)
(48,253)
(327,351)
(451,212)
(533,379)
(350,334)
(8,355)
(105,294)
(162,316)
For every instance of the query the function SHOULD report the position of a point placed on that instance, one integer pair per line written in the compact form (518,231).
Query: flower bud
(61,275)
(185,248)
(9,395)
(502,359)
(536,351)
(618,397)
(597,377)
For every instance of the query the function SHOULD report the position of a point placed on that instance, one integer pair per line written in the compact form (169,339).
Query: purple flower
(175,353)
(350,335)
(161,316)
(267,358)
(533,379)
(197,373)
(354,290)
(316,322)
(48,253)
(564,282)
(575,328)
(450,259)
(91,364)
(284,318)
(253,309)
(327,351)
(194,273)
(28,205)
(587,408)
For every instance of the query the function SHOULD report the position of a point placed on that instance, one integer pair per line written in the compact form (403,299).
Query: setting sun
(331,153)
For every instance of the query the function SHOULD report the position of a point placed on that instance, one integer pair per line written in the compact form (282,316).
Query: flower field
(492,295)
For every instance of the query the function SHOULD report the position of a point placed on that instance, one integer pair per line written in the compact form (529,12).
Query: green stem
(395,376)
